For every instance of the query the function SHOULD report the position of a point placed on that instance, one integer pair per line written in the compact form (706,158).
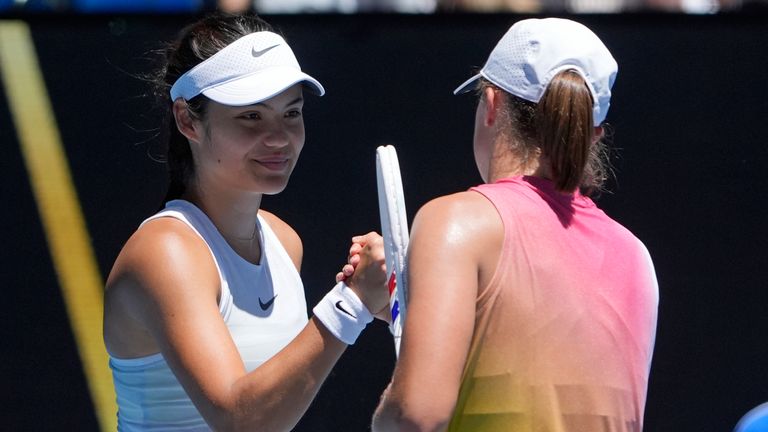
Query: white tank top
(262,305)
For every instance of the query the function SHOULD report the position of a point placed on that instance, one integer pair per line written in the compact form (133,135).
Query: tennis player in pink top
(529,308)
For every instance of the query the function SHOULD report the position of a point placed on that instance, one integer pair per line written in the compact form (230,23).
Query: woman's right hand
(349,268)
(366,273)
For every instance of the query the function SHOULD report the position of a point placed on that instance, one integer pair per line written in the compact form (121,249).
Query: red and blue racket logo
(392,285)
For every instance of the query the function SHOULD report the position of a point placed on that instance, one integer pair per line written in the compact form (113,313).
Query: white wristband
(342,313)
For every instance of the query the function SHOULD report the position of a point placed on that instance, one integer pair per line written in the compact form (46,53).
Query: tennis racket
(394,229)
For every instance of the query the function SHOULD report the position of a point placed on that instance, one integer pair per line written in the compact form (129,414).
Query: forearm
(276,395)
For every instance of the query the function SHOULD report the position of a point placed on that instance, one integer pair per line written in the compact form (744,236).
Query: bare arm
(166,280)
(454,245)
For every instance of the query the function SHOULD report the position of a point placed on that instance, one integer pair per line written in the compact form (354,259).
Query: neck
(510,160)
(234,213)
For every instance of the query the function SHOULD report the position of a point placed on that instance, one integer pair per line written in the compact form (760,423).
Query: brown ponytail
(559,127)
(565,129)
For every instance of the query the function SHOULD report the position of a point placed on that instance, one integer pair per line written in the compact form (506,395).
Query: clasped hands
(366,274)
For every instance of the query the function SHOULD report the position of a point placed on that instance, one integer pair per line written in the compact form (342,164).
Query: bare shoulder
(163,261)
(287,236)
(464,215)
(462,229)
(163,245)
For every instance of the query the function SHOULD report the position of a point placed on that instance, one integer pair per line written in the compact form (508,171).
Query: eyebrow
(293,102)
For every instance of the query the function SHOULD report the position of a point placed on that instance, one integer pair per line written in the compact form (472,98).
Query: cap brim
(468,85)
(261,86)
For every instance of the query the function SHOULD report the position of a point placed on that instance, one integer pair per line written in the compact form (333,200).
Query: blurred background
(383,6)
(81,140)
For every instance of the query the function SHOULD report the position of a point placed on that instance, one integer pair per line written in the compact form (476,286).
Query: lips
(273,163)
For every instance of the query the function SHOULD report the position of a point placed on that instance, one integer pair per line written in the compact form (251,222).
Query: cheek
(481,157)
(477,138)
(482,151)
(299,136)
(224,145)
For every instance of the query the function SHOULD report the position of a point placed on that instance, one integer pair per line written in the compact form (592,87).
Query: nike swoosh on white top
(259,53)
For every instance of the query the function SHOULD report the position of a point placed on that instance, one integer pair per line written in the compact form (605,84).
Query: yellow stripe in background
(59,208)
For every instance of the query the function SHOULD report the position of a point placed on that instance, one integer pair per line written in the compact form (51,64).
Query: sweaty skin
(455,244)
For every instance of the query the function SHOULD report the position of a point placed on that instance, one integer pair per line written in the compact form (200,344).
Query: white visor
(250,70)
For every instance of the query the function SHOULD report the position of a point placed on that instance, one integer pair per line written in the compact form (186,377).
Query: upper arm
(166,279)
(288,237)
(452,241)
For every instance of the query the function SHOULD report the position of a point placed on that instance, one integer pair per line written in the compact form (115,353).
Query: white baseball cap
(533,51)
(251,69)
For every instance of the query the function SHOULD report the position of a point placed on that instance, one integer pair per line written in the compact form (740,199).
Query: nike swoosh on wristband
(268,304)
(341,308)
(261,52)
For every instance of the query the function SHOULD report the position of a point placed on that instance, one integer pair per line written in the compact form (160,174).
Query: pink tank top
(565,330)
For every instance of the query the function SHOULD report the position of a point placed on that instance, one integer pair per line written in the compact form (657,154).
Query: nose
(276,138)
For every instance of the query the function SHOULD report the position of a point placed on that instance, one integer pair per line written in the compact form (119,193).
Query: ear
(189,126)
(598,134)
(492,100)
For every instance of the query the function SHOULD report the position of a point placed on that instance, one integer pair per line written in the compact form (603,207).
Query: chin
(272,192)
(274,188)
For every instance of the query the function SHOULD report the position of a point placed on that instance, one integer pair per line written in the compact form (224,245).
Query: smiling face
(251,148)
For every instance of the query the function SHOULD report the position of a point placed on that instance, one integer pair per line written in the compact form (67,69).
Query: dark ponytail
(194,44)
(561,127)
(565,128)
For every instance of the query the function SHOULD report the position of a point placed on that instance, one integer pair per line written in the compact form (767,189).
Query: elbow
(247,411)
(234,422)
(231,422)
(422,425)
(396,418)
(233,419)
(222,418)
(221,421)
(258,409)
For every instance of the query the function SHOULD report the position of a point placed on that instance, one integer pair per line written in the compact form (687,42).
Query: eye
(294,113)
(251,115)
